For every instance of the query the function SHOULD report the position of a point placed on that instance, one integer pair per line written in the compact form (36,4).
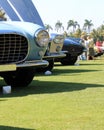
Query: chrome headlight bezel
(58,39)
(42,38)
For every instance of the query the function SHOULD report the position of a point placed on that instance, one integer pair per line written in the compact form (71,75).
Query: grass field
(72,98)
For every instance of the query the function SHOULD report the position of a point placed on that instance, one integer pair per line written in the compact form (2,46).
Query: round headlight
(58,39)
(42,38)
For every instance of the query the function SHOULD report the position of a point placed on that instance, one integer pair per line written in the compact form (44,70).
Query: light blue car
(22,48)
(25,10)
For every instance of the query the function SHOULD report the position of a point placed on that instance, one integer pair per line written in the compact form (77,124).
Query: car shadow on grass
(78,64)
(91,64)
(13,128)
(43,87)
(48,87)
(71,71)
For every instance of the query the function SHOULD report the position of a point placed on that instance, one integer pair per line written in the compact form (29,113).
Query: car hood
(53,35)
(23,27)
(68,41)
(21,10)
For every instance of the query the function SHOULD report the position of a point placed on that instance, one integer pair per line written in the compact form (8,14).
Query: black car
(73,48)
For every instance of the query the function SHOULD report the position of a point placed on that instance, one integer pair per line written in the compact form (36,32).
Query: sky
(64,10)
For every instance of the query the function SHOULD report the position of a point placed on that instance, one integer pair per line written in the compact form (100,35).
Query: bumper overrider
(13,67)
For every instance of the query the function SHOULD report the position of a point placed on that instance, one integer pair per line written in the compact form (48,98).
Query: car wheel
(20,78)
(49,67)
(69,60)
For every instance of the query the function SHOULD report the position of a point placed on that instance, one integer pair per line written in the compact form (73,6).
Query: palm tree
(2,15)
(78,33)
(48,27)
(102,29)
(98,33)
(72,23)
(95,34)
(76,25)
(87,25)
(59,26)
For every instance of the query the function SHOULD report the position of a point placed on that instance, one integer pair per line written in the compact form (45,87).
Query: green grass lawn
(72,98)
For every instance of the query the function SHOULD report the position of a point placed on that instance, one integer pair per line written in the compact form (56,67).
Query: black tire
(98,54)
(20,78)
(49,67)
(69,60)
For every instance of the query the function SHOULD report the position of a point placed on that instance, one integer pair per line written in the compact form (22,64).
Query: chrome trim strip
(33,64)
(54,56)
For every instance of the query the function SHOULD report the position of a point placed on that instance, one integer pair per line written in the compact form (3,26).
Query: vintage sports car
(99,50)
(22,47)
(21,51)
(24,10)
(54,50)
(73,48)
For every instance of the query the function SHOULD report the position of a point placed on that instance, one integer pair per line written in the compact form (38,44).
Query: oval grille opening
(13,48)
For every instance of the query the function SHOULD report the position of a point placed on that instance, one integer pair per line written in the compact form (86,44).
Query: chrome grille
(13,48)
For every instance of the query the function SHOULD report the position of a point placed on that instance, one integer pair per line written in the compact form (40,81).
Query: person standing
(85,43)
(91,51)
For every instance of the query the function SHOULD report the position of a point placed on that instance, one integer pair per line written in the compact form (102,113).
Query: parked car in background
(99,50)
(54,50)
(73,48)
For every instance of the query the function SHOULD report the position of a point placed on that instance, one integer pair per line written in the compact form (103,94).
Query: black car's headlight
(42,38)
(58,39)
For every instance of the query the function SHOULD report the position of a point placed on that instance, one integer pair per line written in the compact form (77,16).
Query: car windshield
(21,10)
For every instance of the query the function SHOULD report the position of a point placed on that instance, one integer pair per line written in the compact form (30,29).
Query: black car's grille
(13,48)
(74,49)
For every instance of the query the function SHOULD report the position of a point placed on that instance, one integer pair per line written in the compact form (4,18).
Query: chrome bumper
(13,67)
(54,55)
